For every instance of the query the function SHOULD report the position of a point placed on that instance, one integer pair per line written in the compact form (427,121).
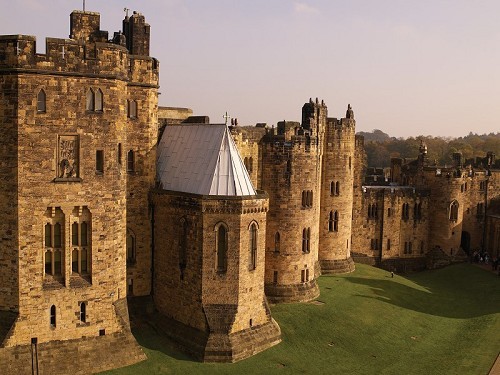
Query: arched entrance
(465,242)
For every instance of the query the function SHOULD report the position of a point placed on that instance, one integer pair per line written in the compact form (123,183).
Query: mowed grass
(444,321)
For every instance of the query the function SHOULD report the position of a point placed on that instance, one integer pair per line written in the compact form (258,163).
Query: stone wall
(9,262)
(83,356)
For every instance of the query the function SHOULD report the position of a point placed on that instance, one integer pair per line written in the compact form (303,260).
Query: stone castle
(107,197)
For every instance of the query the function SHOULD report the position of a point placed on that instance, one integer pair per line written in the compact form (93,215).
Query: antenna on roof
(84,5)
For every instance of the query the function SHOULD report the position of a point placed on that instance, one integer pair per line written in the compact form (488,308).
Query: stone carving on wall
(68,151)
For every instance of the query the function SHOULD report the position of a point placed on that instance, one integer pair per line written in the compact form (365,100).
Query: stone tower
(210,231)
(139,152)
(291,175)
(65,125)
(337,180)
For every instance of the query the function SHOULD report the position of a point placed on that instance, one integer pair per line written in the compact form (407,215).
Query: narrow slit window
(99,161)
(53,316)
(41,105)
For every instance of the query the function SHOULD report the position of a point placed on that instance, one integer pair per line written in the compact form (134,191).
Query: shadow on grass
(150,338)
(460,291)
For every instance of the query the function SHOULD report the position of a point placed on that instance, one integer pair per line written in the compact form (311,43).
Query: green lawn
(436,322)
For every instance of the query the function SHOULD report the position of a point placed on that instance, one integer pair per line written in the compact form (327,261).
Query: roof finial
(84,5)
(126,10)
(226,117)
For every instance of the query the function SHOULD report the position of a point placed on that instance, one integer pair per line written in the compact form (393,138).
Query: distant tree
(380,147)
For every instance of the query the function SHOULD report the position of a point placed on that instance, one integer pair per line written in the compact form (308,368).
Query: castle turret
(137,34)
(337,179)
(85,27)
(291,176)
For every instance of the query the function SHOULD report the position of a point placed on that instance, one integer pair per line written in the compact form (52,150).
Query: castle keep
(107,197)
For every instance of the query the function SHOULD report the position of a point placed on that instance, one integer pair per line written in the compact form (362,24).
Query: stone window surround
(221,247)
(41,101)
(253,232)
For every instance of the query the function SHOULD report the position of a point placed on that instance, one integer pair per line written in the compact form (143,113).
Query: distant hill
(380,147)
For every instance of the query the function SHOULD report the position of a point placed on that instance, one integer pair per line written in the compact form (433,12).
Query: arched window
(53,242)
(454,211)
(41,102)
(332,188)
(90,101)
(336,221)
(119,154)
(337,188)
(306,239)
(253,247)
(83,312)
(98,101)
(130,161)
(130,246)
(48,235)
(250,164)
(53,316)
(277,242)
(132,109)
(80,241)
(221,247)
(372,211)
(405,211)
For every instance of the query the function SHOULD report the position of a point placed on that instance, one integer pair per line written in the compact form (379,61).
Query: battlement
(68,56)
(87,53)
(340,124)
(397,191)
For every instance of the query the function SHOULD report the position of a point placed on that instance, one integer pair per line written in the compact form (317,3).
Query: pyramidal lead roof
(201,159)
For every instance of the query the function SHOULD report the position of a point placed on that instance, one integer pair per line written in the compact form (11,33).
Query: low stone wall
(84,356)
(292,293)
(363,259)
(337,266)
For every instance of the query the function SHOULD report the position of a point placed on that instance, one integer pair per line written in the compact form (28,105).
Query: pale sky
(407,67)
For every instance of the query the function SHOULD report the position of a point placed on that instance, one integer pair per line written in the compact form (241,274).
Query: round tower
(291,176)
(447,211)
(337,195)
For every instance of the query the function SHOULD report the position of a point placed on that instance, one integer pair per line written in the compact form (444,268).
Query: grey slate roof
(201,159)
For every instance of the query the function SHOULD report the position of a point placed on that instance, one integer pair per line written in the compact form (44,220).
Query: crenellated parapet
(87,53)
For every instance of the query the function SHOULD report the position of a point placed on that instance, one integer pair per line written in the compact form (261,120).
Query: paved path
(495,370)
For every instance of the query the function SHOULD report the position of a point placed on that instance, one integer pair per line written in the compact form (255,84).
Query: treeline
(380,147)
